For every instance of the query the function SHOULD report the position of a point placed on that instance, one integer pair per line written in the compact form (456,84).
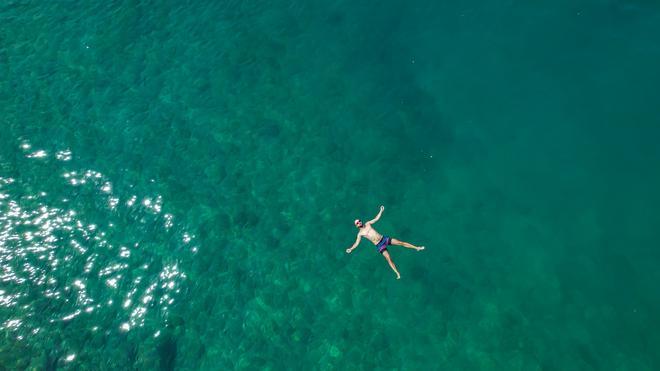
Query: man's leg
(406,244)
(386,254)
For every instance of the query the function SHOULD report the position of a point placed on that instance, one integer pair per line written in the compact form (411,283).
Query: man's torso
(371,234)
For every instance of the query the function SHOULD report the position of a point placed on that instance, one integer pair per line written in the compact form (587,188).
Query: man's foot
(398,276)
(420,248)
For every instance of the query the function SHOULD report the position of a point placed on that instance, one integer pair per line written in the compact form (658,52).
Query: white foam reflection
(80,267)
(38,154)
(64,155)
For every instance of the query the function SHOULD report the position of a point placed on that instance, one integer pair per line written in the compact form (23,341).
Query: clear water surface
(178,181)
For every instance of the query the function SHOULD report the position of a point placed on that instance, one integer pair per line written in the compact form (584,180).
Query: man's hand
(355,244)
(374,220)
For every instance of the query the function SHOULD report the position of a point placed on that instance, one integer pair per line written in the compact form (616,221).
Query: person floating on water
(381,242)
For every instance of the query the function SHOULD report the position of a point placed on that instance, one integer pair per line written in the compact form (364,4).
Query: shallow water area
(178,183)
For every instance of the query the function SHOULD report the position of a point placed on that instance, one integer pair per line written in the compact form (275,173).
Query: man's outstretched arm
(374,220)
(355,244)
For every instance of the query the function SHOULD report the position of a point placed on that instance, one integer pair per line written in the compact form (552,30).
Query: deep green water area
(179,179)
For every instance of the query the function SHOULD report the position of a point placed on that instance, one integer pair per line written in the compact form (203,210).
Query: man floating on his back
(381,242)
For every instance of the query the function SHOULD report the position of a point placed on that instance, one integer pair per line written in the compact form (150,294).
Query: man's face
(358,223)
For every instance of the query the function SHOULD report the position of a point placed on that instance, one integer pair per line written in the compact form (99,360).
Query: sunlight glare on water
(53,258)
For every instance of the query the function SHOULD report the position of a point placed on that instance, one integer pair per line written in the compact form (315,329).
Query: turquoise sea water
(178,181)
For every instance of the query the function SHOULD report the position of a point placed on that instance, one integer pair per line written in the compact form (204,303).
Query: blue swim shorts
(382,245)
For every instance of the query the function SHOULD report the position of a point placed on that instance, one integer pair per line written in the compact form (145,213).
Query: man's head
(358,223)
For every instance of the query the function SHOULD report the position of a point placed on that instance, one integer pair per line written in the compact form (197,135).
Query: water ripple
(113,267)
